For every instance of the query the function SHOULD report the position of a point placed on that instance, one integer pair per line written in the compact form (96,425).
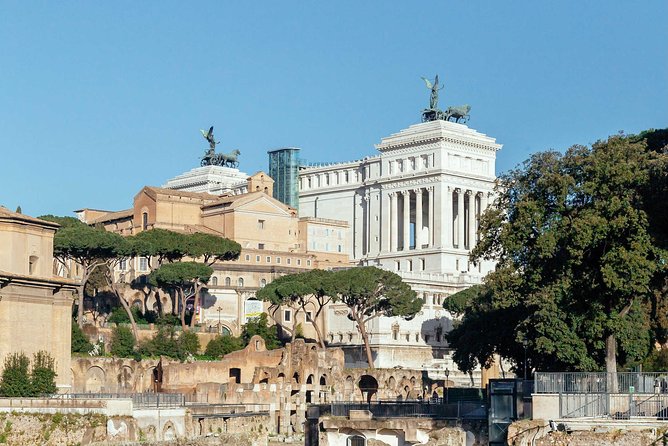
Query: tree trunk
(365,339)
(128,310)
(182,299)
(196,303)
(611,362)
(294,326)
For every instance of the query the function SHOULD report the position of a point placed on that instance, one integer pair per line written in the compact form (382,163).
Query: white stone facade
(413,209)
(215,180)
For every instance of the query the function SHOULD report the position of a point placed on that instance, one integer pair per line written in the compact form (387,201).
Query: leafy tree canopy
(259,326)
(161,243)
(212,248)
(577,259)
(222,345)
(180,274)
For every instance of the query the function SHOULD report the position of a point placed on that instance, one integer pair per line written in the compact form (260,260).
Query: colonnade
(455,226)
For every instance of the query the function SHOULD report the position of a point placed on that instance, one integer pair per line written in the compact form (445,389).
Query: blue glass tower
(284,170)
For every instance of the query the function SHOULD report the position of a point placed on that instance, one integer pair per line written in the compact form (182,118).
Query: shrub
(259,326)
(222,345)
(189,342)
(169,319)
(163,343)
(15,378)
(43,375)
(122,342)
(80,342)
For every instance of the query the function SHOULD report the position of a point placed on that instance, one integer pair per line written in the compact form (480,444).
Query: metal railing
(601,382)
(139,400)
(471,410)
(615,406)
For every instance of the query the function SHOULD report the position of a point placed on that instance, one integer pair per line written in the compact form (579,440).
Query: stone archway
(95,380)
(368,385)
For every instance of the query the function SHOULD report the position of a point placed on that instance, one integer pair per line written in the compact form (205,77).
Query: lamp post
(525,343)
(447,383)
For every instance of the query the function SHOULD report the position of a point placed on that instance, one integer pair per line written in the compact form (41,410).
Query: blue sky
(98,99)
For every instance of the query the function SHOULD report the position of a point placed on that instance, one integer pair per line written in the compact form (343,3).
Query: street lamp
(525,343)
(447,383)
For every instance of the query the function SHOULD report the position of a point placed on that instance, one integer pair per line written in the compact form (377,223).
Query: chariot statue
(211,158)
(459,114)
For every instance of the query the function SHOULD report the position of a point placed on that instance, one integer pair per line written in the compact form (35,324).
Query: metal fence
(139,400)
(615,406)
(471,410)
(601,382)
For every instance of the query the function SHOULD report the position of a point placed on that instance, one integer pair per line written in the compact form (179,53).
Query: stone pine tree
(369,293)
(300,290)
(577,260)
(182,277)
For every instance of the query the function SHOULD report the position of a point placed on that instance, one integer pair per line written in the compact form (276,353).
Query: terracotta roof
(180,193)
(6,213)
(113,216)
(237,200)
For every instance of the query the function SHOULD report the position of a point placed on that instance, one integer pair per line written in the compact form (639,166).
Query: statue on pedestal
(211,158)
(459,114)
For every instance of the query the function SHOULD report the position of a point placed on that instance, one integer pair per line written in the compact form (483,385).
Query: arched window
(263,283)
(241,281)
(228,281)
(144,221)
(214,281)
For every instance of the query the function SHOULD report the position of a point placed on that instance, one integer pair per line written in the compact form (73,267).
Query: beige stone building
(35,305)
(274,242)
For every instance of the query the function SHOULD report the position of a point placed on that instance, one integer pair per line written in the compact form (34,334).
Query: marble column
(460,219)
(394,237)
(472,219)
(418,218)
(407,219)
(430,191)
(448,224)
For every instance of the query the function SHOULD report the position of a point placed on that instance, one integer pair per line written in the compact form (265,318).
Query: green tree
(183,278)
(43,374)
(15,377)
(90,248)
(222,345)
(370,292)
(189,342)
(212,248)
(576,259)
(122,342)
(163,244)
(80,342)
(300,290)
(259,326)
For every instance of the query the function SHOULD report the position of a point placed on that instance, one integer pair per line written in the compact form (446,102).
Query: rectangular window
(122,265)
(288,261)
(422,264)
(299,262)
(339,248)
(248,257)
(287,316)
(268,259)
(257,258)
(309,316)
(260,246)
(308,263)
(143,264)
(260,224)
(398,266)
(278,260)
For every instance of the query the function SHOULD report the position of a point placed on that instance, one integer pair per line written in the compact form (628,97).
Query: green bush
(122,342)
(43,375)
(15,377)
(259,326)
(189,342)
(222,345)
(80,342)
(163,343)
(169,319)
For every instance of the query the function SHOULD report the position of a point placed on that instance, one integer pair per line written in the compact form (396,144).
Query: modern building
(413,209)
(35,305)
(284,169)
